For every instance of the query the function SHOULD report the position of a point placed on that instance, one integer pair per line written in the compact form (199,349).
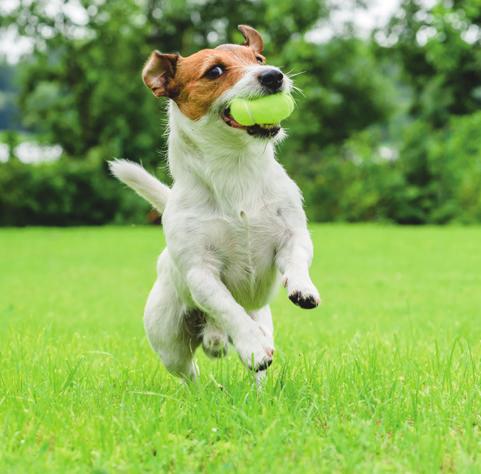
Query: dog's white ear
(159,72)
(252,38)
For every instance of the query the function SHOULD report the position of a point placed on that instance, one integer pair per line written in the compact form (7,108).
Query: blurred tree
(439,50)
(9,118)
(417,90)
(454,158)
(343,92)
(77,87)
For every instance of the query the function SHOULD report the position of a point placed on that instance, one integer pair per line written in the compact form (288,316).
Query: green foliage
(454,161)
(355,183)
(435,180)
(87,93)
(8,112)
(343,91)
(67,192)
(442,172)
(439,50)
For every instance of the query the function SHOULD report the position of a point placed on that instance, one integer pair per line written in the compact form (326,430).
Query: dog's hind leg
(214,340)
(171,329)
(263,317)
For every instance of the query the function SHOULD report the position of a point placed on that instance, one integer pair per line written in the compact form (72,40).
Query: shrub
(353,182)
(455,163)
(66,192)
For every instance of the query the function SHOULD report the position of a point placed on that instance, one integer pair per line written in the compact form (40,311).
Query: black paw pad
(305,302)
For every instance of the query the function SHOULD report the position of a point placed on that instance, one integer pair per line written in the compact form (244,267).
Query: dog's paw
(303,294)
(215,343)
(254,349)
(308,301)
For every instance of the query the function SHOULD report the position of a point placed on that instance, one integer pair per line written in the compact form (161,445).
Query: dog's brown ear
(252,38)
(159,72)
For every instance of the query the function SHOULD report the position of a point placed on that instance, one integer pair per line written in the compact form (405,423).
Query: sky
(377,14)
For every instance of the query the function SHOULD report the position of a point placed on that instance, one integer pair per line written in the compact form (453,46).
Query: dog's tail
(141,181)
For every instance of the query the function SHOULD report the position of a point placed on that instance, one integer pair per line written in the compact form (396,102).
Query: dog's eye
(260,59)
(215,72)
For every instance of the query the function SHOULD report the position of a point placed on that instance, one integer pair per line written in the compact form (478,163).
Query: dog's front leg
(293,260)
(213,297)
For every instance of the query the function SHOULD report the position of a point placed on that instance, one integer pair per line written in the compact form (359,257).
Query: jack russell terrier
(233,220)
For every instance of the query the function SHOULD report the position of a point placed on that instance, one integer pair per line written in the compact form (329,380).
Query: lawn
(384,377)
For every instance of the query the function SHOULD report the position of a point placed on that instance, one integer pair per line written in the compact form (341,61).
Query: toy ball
(265,110)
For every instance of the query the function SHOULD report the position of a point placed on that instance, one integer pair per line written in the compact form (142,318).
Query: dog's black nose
(271,79)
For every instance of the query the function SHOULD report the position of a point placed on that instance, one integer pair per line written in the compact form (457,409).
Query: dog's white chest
(247,247)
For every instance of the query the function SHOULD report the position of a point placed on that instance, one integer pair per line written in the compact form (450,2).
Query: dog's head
(203,84)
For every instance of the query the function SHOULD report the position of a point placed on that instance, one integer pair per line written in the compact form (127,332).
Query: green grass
(385,377)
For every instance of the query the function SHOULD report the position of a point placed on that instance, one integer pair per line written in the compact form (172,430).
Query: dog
(234,222)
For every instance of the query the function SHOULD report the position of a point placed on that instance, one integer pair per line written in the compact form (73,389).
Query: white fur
(144,184)
(234,225)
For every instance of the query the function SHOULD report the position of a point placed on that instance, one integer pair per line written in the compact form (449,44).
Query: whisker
(298,90)
(294,74)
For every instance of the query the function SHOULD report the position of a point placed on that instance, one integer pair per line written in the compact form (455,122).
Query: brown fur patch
(194,93)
